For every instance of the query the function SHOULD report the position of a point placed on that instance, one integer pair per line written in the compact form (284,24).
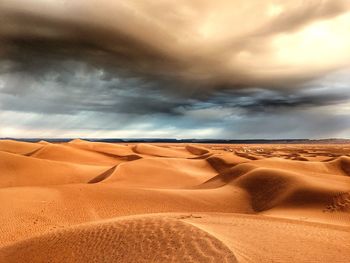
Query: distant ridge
(213,141)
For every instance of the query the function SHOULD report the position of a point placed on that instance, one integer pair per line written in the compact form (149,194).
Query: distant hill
(167,140)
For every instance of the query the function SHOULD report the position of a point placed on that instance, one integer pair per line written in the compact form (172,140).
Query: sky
(223,69)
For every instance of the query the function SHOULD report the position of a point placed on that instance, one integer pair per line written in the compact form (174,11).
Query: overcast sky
(235,69)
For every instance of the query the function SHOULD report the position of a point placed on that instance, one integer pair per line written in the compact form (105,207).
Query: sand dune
(18,147)
(51,207)
(222,162)
(18,170)
(105,148)
(87,201)
(278,183)
(196,150)
(143,239)
(162,172)
(256,238)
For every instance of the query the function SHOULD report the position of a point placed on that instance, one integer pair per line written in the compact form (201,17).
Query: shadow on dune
(102,176)
(304,186)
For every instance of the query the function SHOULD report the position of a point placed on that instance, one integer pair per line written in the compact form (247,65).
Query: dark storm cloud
(35,43)
(80,89)
(255,101)
(156,40)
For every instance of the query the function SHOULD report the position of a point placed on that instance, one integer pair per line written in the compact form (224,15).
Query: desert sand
(101,202)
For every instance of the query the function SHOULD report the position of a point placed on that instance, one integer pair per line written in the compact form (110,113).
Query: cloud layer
(233,69)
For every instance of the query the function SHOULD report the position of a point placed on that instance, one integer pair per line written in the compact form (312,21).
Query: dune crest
(64,153)
(162,151)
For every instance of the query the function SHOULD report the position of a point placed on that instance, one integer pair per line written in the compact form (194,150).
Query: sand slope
(24,148)
(142,239)
(161,151)
(65,153)
(162,172)
(105,148)
(101,202)
(17,170)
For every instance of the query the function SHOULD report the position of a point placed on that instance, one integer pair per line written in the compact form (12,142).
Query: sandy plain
(100,202)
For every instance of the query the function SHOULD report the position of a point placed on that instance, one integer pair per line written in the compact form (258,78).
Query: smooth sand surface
(100,202)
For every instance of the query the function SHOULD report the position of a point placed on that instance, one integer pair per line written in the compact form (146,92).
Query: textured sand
(101,202)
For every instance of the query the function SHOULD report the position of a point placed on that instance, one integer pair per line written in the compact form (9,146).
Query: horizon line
(168,139)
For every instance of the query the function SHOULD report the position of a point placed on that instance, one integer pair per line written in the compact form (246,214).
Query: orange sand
(99,202)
